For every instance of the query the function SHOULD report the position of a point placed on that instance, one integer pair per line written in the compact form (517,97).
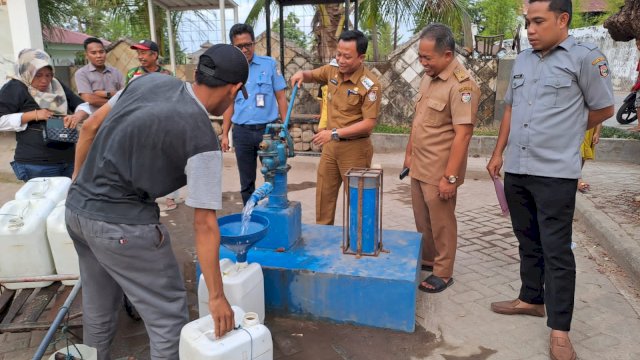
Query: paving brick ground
(458,322)
(614,189)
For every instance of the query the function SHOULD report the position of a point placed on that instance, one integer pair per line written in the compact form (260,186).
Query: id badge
(260,100)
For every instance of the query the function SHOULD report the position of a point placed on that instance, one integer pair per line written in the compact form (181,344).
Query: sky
(194,31)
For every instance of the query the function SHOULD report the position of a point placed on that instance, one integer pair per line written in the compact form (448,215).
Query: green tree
(581,18)
(384,41)
(498,16)
(449,12)
(291,30)
(55,13)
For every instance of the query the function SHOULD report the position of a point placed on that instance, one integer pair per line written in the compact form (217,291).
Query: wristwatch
(334,135)
(451,179)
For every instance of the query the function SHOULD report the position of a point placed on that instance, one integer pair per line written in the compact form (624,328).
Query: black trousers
(246,140)
(542,214)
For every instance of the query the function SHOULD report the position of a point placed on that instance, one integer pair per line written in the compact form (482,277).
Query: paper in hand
(502,199)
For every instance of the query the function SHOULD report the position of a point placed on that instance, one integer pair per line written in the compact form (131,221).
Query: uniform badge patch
(604,70)
(465,89)
(368,83)
(597,60)
(372,96)
(334,81)
(465,97)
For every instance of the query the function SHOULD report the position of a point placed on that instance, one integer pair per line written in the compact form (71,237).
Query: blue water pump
(275,148)
(285,217)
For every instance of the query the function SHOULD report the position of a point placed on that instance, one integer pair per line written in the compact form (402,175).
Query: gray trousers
(138,260)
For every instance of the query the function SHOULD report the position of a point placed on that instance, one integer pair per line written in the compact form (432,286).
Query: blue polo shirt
(265,79)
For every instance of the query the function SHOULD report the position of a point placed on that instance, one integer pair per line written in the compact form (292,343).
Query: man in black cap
(148,57)
(155,137)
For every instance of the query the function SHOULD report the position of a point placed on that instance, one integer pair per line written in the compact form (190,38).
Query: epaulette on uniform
(587,45)
(460,74)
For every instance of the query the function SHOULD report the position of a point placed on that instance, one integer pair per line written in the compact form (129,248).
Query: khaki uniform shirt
(450,98)
(352,100)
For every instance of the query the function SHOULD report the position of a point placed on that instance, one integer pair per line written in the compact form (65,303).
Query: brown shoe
(560,348)
(510,308)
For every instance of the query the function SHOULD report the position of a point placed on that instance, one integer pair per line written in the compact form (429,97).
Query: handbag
(54,132)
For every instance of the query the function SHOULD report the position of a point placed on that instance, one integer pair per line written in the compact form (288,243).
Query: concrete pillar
(152,22)
(223,23)
(235,14)
(24,24)
(172,50)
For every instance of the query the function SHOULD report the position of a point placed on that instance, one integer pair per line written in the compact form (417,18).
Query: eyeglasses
(245,46)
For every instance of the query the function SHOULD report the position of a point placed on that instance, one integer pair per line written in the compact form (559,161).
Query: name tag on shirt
(260,100)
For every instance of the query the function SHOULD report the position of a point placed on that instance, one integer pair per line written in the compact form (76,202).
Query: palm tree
(374,12)
(327,24)
(449,12)
(329,19)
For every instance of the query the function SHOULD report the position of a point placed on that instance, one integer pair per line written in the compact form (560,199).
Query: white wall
(622,56)
(6,45)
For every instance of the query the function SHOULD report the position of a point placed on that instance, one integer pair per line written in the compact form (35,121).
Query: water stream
(246,215)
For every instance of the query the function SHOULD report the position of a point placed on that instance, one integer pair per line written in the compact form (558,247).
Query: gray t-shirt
(156,139)
(550,98)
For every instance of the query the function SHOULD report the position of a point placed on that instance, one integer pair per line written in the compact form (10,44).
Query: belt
(252,126)
(351,139)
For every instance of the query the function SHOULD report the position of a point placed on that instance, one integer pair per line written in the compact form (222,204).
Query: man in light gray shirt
(558,89)
(97,81)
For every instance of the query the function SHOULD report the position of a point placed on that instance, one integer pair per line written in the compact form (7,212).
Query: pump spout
(261,192)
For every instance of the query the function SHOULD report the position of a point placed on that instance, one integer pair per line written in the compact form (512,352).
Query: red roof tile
(64,36)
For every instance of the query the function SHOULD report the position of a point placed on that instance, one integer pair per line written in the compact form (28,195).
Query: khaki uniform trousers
(336,159)
(436,220)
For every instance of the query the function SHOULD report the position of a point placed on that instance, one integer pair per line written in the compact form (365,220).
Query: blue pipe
(293,97)
(261,192)
(56,322)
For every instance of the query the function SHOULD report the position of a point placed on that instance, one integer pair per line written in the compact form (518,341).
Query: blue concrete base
(287,222)
(315,279)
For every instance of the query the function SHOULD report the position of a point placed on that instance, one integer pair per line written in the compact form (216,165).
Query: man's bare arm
(207,236)
(281,99)
(598,116)
(87,134)
(95,99)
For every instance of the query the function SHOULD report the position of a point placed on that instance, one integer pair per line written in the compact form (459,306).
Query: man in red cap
(148,57)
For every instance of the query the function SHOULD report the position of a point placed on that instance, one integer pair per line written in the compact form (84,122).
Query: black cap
(230,65)
(146,45)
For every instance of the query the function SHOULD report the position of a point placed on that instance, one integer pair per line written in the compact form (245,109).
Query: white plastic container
(251,342)
(52,188)
(243,286)
(24,249)
(64,253)
(85,352)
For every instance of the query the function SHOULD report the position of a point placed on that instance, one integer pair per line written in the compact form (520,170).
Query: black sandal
(437,283)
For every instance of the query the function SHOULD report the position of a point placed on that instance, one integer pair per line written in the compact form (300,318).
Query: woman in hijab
(27,101)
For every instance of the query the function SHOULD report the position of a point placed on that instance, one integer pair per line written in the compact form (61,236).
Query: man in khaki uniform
(354,102)
(436,153)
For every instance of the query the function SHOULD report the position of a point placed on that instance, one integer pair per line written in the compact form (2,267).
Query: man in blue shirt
(250,116)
